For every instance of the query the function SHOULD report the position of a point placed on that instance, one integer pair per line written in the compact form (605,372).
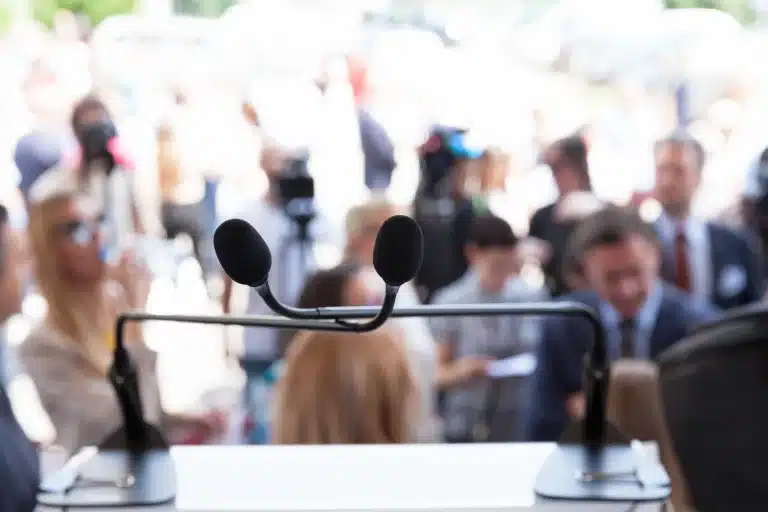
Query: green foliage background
(742,10)
(95,10)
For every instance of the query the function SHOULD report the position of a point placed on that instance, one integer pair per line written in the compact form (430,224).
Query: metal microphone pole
(588,470)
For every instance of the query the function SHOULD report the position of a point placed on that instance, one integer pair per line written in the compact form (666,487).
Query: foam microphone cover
(398,250)
(242,252)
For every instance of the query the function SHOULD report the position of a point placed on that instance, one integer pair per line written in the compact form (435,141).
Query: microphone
(397,256)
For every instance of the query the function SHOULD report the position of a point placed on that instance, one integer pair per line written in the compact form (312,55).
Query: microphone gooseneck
(247,260)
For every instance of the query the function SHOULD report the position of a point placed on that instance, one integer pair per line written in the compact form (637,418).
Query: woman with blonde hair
(69,354)
(363,223)
(345,388)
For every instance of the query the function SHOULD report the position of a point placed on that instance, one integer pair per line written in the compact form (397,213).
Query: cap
(34,154)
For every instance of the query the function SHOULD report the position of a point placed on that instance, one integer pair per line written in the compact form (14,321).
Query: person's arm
(452,372)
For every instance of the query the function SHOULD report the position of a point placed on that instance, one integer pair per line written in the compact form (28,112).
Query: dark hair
(572,149)
(609,226)
(325,288)
(84,106)
(488,231)
(683,140)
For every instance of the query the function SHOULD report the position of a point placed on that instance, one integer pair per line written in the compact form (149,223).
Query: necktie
(627,332)
(682,266)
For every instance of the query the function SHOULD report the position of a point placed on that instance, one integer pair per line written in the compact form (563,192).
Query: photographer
(100,166)
(294,258)
(444,207)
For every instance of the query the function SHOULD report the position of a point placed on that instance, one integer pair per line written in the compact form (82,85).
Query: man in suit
(711,262)
(620,260)
(19,467)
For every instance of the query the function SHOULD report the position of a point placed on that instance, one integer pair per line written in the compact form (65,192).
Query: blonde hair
(634,404)
(366,219)
(345,388)
(67,312)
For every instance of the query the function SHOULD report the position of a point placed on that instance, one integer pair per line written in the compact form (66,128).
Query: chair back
(714,386)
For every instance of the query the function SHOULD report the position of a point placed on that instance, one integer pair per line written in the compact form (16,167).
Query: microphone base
(613,472)
(114,477)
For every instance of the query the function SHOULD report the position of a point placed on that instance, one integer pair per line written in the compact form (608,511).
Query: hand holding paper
(521,365)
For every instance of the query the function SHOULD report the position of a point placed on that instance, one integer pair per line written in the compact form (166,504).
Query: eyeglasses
(81,232)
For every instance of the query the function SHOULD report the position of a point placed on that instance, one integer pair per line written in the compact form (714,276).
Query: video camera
(297,190)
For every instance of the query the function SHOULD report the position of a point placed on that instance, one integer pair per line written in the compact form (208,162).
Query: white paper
(521,365)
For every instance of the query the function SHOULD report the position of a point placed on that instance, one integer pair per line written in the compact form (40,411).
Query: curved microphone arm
(336,314)
(326,319)
(387,306)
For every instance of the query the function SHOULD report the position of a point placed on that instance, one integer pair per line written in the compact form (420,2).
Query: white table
(374,477)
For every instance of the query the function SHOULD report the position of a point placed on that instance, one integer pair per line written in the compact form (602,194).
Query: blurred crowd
(109,203)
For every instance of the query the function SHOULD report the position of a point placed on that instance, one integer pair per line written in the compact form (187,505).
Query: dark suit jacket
(729,250)
(544,227)
(565,340)
(19,465)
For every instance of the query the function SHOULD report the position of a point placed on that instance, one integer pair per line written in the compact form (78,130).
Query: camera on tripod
(297,191)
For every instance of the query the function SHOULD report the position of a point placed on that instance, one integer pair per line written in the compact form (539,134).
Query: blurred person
(567,158)
(343,285)
(19,463)
(478,408)
(712,262)
(13,274)
(69,354)
(444,207)
(620,258)
(291,265)
(96,137)
(379,160)
(345,388)
(572,210)
(181,191)
(634,405)
(363,224)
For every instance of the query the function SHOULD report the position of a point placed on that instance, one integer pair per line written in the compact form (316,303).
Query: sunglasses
(81,232)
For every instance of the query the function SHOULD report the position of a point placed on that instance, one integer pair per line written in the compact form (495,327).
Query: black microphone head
(243,254)
(398,251)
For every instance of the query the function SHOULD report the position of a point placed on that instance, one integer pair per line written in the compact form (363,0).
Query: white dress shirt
(699,253)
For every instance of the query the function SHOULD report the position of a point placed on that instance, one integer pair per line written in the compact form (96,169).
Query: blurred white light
(532,275)
(17,329)
(650,210)
(34,306)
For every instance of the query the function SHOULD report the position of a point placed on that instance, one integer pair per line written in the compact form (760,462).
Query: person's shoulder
(519,290)
(685,307)
(457,291)
(544,212)
(586,297)
(727,235)
(43,342)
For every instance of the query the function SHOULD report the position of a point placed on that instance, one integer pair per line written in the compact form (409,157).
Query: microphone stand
(573,471)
